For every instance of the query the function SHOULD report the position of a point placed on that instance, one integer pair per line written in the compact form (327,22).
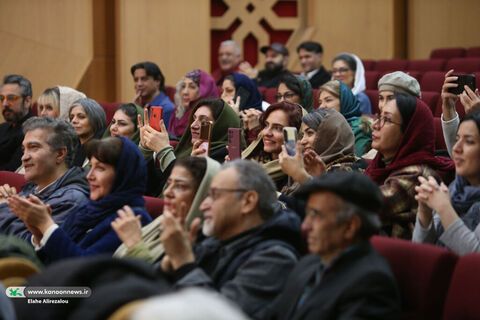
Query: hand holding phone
(156,113)
(290,139)
(462,81)
(205,135)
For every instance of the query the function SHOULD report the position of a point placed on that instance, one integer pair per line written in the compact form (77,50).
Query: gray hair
(94,111)
(231,43)
(370,222)
(252,176)
(315,118)
(180,109)
(62,134)
(24,83)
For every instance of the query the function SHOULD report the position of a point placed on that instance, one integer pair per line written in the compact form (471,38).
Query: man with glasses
(343,277)
(16,100)
(251,242)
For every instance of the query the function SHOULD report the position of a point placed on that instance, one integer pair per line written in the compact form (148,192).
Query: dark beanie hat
(406,106)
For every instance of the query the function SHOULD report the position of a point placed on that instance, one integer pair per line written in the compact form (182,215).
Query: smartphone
(205,135)
(234,143)
(290,139)
(155,117)
(462,81)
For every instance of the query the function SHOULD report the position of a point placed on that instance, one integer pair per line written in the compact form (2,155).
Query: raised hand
(128,226)
(449,99)
(470,100)
(313,163)
(293,165)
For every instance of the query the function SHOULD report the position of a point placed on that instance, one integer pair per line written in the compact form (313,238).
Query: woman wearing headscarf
(116,178)
(336,95)
(196,85)
(349,69)
(404,136)
(238,86)
(125,122)
(56,101)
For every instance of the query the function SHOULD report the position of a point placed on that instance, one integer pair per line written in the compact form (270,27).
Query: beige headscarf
(67,97)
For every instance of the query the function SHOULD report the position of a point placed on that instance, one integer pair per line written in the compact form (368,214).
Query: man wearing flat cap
(343,277)
(276,59)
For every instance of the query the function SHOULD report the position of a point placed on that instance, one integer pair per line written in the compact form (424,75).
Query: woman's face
(326,100)
(47,107)
(272,134)
(228,90)
(309,135)
(202,114)
(179,188)
(189,91)
(81,123)
(466,152)
(122,125)
(100,177)
(341,71)
(387,132)
(285,94)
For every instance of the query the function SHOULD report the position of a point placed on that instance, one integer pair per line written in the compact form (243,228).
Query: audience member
(268,144)
(295,89)
(404,136)
(348,68)
(196,85)
(241,93)
(396,82)
(336,95)
(343,277)
(310,54)
(150,88)
(250,244)
(229,58)
(117,178)
(56,101)
(186,187)
(16,99)
(455,222)
(47,157)
(276,60)
(125,122)
(88,118)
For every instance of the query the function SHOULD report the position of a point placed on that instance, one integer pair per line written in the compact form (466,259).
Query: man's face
(227,57)
(309,60)
(14,106)
(274,60)
(325,236)
(222,209)
(145,84)
(39,161)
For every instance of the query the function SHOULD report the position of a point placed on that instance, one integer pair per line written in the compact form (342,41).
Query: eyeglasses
(340,70)
(382,120)
(214,193)
(10,98)
(286,96)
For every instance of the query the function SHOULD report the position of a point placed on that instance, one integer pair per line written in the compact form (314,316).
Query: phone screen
(290,139)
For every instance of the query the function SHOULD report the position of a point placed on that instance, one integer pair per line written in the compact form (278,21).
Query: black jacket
(319,78)
(11,138)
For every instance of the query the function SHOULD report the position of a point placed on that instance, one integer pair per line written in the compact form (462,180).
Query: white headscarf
(359,83)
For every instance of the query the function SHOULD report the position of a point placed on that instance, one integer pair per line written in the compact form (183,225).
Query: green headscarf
(306,92)
(136,136)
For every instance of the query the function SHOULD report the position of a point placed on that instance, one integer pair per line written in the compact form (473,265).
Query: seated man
(310,54)
(48,153)
(150,88)
(343,277)
(250,245)
(229,58)
(16,100)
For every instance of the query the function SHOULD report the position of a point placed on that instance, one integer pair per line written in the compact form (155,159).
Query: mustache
(225,61)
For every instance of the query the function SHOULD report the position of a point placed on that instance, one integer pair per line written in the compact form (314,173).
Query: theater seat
(447,53)
(154,206)
(458,106)
(391,65)
(422,272)
(426,65)
(371,79)
(464,294)
(373,97)
(170,92)
(432,81)
(463,65)
(431,99)
(13,179)
(315,99)
(473,52)
(269,95)
(368,65)
(109,108)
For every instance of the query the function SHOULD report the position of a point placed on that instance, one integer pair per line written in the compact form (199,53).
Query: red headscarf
(416,147)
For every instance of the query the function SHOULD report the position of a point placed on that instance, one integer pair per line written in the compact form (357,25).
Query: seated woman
(404,136)
(88,119)
(455,220)
(268,145)
(116,178)
(125,122)
(239,86)
(336,95)
(196,85)
(213,109)
(349,69)
(186,188)
(56,101)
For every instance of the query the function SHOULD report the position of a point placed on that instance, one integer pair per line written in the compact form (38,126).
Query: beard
(272,68)
(208,227)
(13,116)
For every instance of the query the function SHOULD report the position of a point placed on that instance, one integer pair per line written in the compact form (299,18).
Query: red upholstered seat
(391,65)
(109,108)
(154,206)
(463,65)
(315,99)
(439,139)
(373,97)
(447,53)
(269,94)
(170,92)
(458,106)
(371,79)
(432,81)
(464,294)
(473,52)
(431,99)
(427,65)
(368,64)
(13,179)
(422,272)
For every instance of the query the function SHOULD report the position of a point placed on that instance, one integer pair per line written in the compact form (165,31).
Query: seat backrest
(13,179)
(473,52)
(463,65)
(269,95)
(371,79)
(458,106)
(432,81)
(170,92)
(464,293)
(426,65)
(423,274)
(154,206)
(109,108)
(431,99)
(447,53)
(368,65)
(315,99)
(391,65)
(373,97)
